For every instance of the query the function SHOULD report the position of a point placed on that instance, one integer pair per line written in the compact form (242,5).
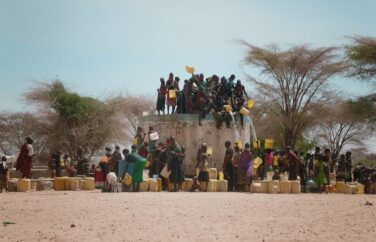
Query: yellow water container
(264,186)
(153,186)
(212,185)
(190,69)
(75,184)
(83,184)
(59,183)
(212,173)
(340,187)
(285,186)
(269,143)
(250,103)
(273,187)
(188,183)
(350,188)
(227,108)
(239,143)
(244,111)
(256,163)
(255,187)
(171,94)
(90,183)
(209,151)
(360,188)
(68,183)
(24,185)
(222,186)
(295,187)
(144,186)
(221,176)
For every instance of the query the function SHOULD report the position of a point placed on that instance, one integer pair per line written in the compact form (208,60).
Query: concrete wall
(185,128)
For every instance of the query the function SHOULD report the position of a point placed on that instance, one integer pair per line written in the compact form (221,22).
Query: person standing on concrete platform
(228,167)
(25,158)
(161,100)
(171,94)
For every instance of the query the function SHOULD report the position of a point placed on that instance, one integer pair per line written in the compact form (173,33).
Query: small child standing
(3,174)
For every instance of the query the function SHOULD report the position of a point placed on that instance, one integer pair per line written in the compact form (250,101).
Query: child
(3,174)
(203,165)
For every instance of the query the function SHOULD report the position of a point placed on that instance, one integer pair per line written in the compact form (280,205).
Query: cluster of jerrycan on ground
(286,186)
(57,184)
(214,184)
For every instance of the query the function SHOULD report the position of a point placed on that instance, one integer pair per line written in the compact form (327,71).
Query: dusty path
(47,216)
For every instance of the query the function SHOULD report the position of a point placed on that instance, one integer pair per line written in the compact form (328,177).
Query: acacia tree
(15,127)
(362,55)
(297,84)
(75,121)
(346,123)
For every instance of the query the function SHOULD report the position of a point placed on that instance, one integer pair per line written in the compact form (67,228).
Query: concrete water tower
(185,128)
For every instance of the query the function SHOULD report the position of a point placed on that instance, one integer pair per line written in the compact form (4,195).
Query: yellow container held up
(190,69)
(250,103)
(244,111)
(24,185)
(227,108)
(256,163)
(134,141)
(255,144)
(59,183)
(269,143)
(239,143)
(209,151)
(171,94)
(275,160)
(221,176)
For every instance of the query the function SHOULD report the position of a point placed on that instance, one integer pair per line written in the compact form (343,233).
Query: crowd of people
(202,96)
(165,160)
(238,165)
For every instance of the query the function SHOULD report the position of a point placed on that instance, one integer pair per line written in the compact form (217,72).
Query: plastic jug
(24,185)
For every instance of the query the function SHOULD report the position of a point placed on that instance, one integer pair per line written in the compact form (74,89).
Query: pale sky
(100,47)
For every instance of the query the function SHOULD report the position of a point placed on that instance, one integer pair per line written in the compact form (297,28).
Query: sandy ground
(48,216)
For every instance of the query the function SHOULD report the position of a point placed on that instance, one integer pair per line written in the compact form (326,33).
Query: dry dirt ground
(94,216)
